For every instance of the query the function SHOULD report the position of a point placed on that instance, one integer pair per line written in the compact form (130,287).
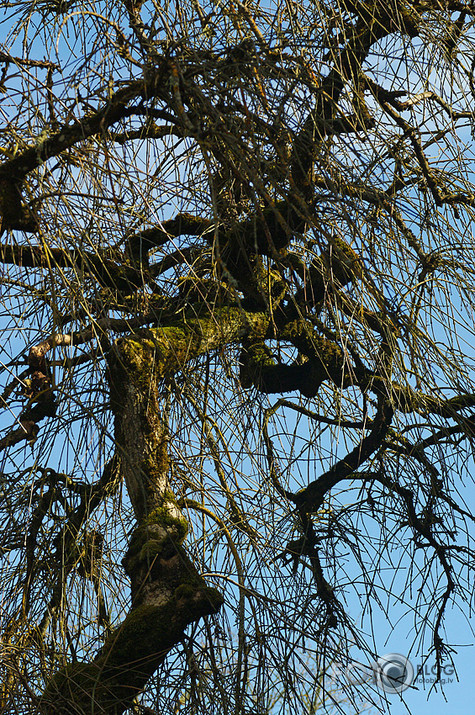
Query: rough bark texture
(167,591)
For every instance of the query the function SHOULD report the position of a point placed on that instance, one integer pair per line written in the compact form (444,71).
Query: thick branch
(82,129)
(320,120)
(183,224)
(106,272)
(311,497)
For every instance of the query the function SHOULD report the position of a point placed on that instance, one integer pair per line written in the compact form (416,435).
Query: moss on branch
(323,360)
(168,593)
(129,656)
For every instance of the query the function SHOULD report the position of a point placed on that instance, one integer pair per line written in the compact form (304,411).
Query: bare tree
(237,313)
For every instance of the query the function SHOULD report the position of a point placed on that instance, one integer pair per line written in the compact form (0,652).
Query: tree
(237,298)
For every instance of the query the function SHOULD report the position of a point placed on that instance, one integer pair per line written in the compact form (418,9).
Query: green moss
(137,357)
(184,590)
(345,262)
(157,464)
(151,353)
(162,517)
(156,552)
(255,358)
(145,627)
(261,355)
(302,334)
(69,691)
(145,545)
(151,549)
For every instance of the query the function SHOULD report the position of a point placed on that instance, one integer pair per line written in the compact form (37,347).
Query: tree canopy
(237,329)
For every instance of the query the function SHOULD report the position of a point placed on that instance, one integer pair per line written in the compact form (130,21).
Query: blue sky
(398,637)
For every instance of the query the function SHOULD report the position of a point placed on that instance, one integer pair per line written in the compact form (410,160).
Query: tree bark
(168,593)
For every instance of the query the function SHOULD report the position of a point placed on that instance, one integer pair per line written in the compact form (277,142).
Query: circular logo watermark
(393,673)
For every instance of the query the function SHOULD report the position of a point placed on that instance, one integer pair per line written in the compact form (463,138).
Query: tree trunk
(167,591)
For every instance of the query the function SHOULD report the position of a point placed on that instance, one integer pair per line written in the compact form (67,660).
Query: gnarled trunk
(167,591)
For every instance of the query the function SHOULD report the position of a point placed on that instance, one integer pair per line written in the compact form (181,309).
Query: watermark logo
(391,673)
(356,683)
(428,675)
